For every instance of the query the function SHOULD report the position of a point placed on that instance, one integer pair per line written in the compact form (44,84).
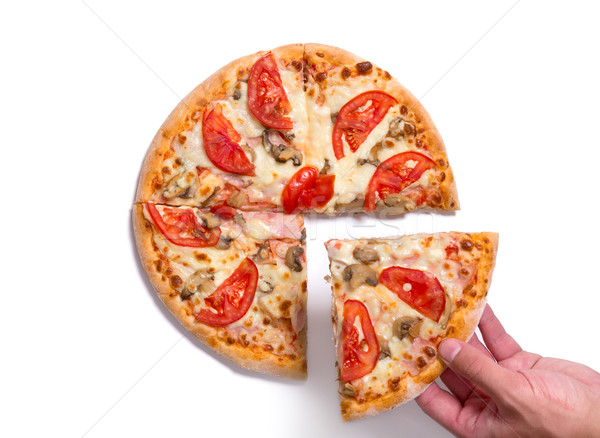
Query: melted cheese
(352,178)
(271,176)
(294,89)
(286,300)
(311,113)
(414,252)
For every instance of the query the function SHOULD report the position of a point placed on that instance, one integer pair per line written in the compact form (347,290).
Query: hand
(521,395)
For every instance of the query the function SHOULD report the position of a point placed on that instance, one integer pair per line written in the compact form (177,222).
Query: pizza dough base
(255,359)
(464,321)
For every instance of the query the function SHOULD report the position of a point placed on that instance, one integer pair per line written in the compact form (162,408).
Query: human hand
(521,395)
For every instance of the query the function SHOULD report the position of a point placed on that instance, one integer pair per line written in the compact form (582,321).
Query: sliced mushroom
(199,282)
(209,220)
(187,194)
(363,161)
(407,326)
(384,348)
(263,253)
(211,197)
(326,168)
(347,389)
(365,254)
(400,128)
(283,153)
(224,242)
(396,203)
(250,152)
(239,219)
(237,200)
(177,186)
(292,258)
(266,286)
(186,293)
(373,156)
(357,274)
(280,151)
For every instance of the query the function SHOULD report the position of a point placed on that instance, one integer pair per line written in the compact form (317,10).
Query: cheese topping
(313,112)
(420,252)
(355,170)
(279,296)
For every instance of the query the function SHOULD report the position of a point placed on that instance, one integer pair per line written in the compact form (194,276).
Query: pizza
(394,301)
(221,193)
(236,280)
(301,127)
(379,140)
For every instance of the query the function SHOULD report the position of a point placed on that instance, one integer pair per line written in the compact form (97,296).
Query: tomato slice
(421,290)
(266,95)
(232,299)
(307,189)
(359,356)
(358,118)
(224,210)
(394,175)
(221,143)
(181,227)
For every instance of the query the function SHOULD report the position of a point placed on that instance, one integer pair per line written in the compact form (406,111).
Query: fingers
(477,367)
(500,343)
(441,406)
(475,342)
(459,386)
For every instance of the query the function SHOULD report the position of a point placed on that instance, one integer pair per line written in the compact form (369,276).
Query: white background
(87,350)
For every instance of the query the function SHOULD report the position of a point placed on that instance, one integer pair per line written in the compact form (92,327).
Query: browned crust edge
(464,321)
(250,358)
(185,114)
(341,57)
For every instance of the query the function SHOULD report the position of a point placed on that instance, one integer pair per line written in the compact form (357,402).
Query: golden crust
(189,110)
(461,325)
(322,58)
(157,269)
(331,54)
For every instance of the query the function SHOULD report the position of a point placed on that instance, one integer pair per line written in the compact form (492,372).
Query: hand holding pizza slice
(394,301)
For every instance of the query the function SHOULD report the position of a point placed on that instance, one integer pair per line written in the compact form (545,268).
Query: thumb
(476,366)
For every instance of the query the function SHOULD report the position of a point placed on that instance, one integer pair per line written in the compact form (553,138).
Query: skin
(503,391)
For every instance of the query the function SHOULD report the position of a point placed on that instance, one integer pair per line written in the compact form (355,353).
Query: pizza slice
(374,135)
(394,301)
(236,280)
(235,140)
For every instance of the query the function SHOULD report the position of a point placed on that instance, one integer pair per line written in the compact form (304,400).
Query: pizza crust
(461,325)
(157,269)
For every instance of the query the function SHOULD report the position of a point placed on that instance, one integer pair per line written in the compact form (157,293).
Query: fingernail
(448,349)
